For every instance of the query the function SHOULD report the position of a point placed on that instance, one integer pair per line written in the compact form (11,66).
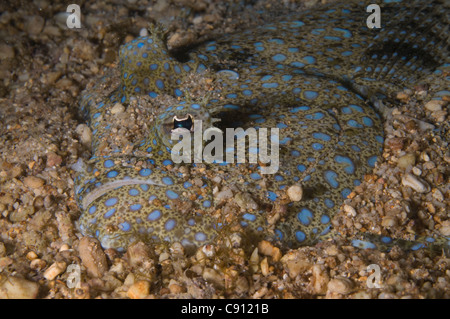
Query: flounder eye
(186,123)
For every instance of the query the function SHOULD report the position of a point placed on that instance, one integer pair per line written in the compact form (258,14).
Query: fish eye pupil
(185,123)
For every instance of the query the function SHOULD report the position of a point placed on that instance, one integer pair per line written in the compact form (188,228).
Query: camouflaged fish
(315,76)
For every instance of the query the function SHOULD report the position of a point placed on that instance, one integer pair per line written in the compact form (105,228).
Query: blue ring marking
(135,207)
(159,84)
(125,226)
(300,236)
(349,168)
(154,215)
(305,216)
(112,174)
(299,108)
(92,209)
(379,139)
(187,184)
(386,240)
(330,178)
(111,201)
(310,59)
(170,224)
(144,187)
(301,168)
(109,213)
(171,194)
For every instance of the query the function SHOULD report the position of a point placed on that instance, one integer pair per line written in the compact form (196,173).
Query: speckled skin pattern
(313,75)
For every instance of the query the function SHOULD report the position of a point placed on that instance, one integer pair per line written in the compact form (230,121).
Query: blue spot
(286,77)
(301,168)
(145,172)
(125,226)
(255,176)
(249,217)
(133,192)
(200,236)
(300,236)
(330,178)
(154,215)
(170,224)
(345,192)
(299,108)
(109,213)
(322,136)
(167,180)
(272,196)
(207,203)
(310,59)
(92,209)
(144,187)
(159,84)
(297,64)
(355,148)
(317,146)
(247,92)
(367,121)
(347,33)
(329,203)
(353,123)
(279,57)
(305,216)
(386,240)
(135,207)
(111,174)
(171,194)
(327,37)
(270,85)
(371,161)
(379,139)
(347,53)
(279,234)
(324,219)
(153,66)
(187,184)
(310,95)
(111,201)
(363,244)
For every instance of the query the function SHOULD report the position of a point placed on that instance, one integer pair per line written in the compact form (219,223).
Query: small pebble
(6,51)
(37,264)
(267,249)
(245,201)
(213,276)
(319,279)
(340,285)
(406,161)
(415,183)
(295,192)
(33,182)
(54,270)
(435,105)
(34,24)
(139,290)
(118,108)
(12,287)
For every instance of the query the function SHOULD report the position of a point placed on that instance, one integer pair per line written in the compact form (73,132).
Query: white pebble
(349,210)
(117,108)
(17,288)
(434,105)
(295,192)
(54,270)
(415,183)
